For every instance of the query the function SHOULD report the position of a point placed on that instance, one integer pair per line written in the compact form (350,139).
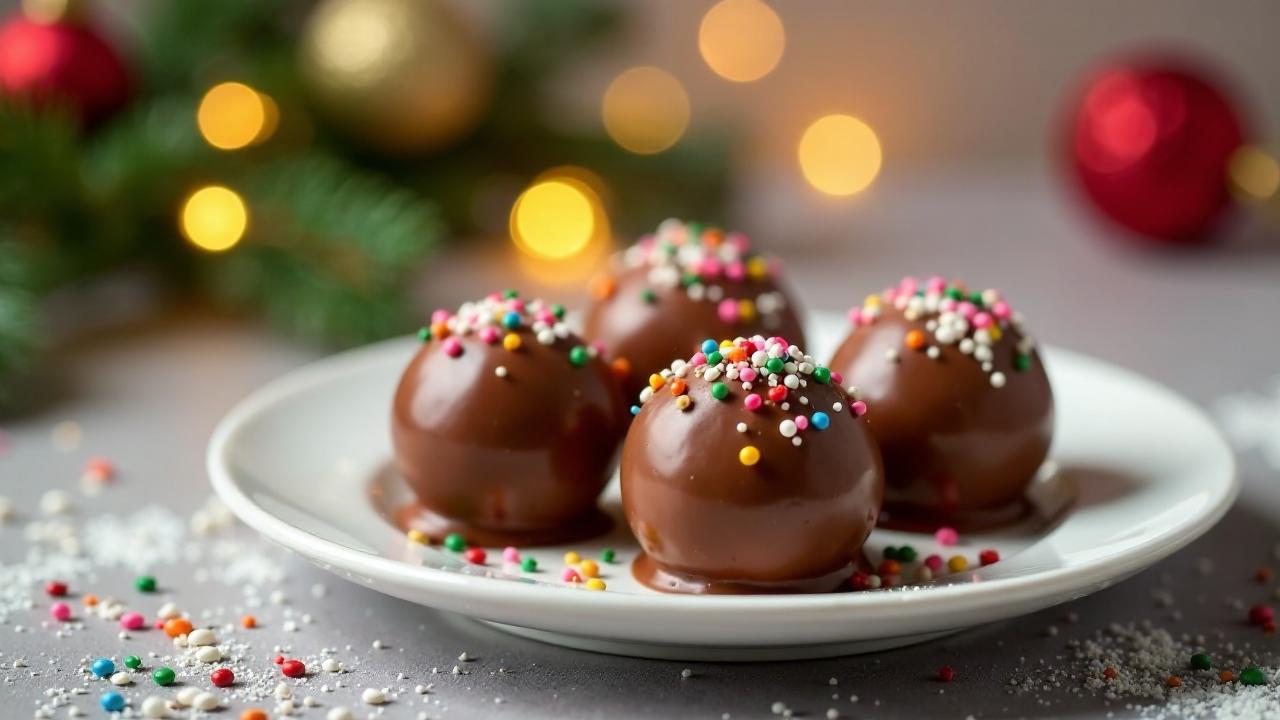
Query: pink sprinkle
(1001,310)
(510,554)
(570,575)
(736,271)
(728,310)
(599,347)
(947,305)
(837,378)
(710,267)
(489,334)
(802,422)
(699,358)
(752,402)
(159,624)
(890,294)
(516,304)
(981,320)
(747,374)
(858,407)
(855,316)
(547,317)
(933,562)
(775,267)
(908,286)
(946,536)
(452,347)
(967,310)
(738,240)
(132,621)
(936,284)
(60,611)
(439,316)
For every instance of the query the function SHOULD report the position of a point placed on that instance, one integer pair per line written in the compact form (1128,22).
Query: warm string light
(839,155)
(645,110)
(554,219)
(214,218)
(1254,173)
(233,115)
(741,40)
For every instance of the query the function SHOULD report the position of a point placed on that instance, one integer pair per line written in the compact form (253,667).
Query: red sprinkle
(933,562)
(293,668)
(279,660)
(778,393)
(474,555)
(1260,615)
(55,588)
(889,567)
(223,677)
(988,557)
(946,673)
(859,580)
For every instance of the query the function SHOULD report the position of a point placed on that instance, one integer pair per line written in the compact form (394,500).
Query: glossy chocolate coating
(649,334)
(793,522)
(519,459)
(957,451)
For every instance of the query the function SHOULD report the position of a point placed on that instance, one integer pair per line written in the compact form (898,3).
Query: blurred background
(340,168)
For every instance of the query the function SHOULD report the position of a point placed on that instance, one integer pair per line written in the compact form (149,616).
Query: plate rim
(1021,588)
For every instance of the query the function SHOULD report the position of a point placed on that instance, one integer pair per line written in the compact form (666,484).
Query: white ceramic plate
(1139,473)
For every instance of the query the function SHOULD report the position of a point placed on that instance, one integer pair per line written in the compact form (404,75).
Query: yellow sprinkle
(511,341)
(994,331)
(419,537)
(871,301)
(757,268)
(589,568)
(746,310)
(595,584)
(656,381)
(683,402)
(749,455)
(726,343)
(572,558)
(957,563)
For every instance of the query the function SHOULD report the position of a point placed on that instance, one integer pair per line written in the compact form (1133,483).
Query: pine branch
(19,317)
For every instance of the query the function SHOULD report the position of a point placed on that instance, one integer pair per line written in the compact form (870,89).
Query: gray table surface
(148,395)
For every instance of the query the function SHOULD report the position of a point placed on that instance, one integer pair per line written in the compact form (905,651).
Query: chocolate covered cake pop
(748,469)
(683,283)
(504,425)
(961,406)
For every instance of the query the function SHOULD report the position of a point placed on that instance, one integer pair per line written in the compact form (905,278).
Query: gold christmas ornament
(399,76)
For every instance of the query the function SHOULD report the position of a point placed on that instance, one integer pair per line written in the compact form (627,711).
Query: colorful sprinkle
(821,420)
(474,555)
(719,391)
(529,564)
(175,627)
(222,677)
(906,554)
(511,341)
(1201,661)
(570,575)
(578,356)
(933,562)
(595,584)
(1253,676)
(54,588)
(988,557)
(293,668)
(163,676)
(112,702)
(133,662)
(946,674)
(749,455)
(60,611)
(957,563)
(589,568)
(572,558)
(1260,615)
(418,537)
(132,621)
(946,536)
(452,347)
(510,554)
(608,555)
(102,667)
(145,583)
(248,622)
(455,542)
(858,408)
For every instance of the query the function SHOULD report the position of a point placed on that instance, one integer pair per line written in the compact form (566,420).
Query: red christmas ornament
(61,63)
(1150,143)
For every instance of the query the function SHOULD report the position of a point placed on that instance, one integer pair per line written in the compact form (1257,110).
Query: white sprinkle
(742,427)
(55,502)
(686,673)
(891,355)
(997,379)
(283,691)
(155,707)
(167,611)
(464,657)
(373,696)
(278,597)
(209,654)
(186,697)
(500,371)
(201,636)
(206,701)
(833,681)
(330,665)
(379,645)
(837,407)
(787,428)
(832,713)
(339,713)
(122,678)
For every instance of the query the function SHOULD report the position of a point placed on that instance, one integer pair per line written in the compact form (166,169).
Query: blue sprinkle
(112,702)
(709,346)
(820,420)
(635,409)
(103,667)
(511,320)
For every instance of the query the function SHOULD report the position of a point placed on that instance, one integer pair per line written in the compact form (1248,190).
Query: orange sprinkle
(711,237)
(656,381)
(621,367)
(915,339)
(1173,681)
(603,287)
(177,626)
(589,568)
(249,621)
(1109,673)
(254,714)
(439,331)
(889,567)
(737,355)
(90,599)
(678,387)
(1263,575)
(1226,676)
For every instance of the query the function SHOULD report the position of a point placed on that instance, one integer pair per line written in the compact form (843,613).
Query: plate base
(709,653)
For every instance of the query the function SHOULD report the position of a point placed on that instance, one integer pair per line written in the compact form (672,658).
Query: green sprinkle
(906,553)
(1253,676)
(455,542)
(890,553)
(1021,363)
(648,296)
(529,565)
(607,555)
(714,358)
(424,333)
(976,298)
(719,390)
(822,375)
(694,230)
(689,279)
(145,583)
(163,676)
(133,661)
(955,293)
(510,293)
(1200,661)
(578,356)
(774,365)
(558,310)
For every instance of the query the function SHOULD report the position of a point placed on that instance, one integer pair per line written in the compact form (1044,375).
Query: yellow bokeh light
(741,40)
(839,155)
(555,219)
(233,115)
(645,110)
(1254,173)
(214,218)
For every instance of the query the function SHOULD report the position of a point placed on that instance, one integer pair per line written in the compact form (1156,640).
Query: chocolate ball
(959,402)
(684,283)
(504,426)
(734,485)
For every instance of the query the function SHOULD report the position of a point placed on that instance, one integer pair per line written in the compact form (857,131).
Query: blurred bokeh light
(839,155)
(741,40)
(233,115)
(645,110)
(555,218)
(214,218)
(1254,173)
